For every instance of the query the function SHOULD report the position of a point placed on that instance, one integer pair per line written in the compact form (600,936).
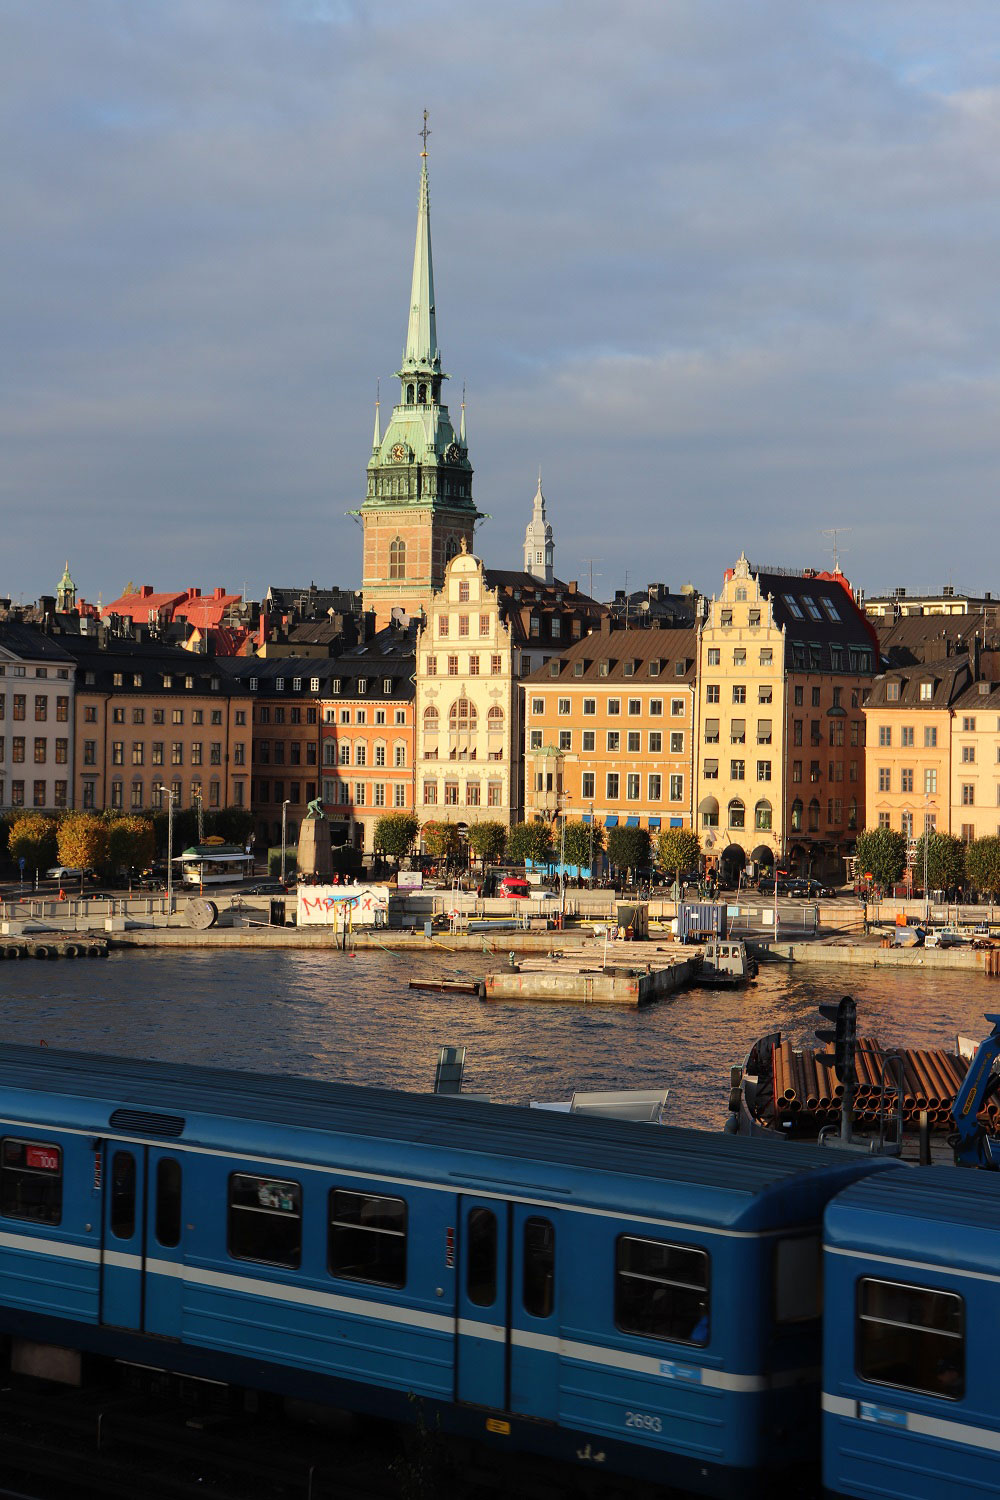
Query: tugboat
(726,964)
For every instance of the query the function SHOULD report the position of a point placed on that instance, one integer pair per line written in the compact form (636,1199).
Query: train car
(633,1299)
(912,1278)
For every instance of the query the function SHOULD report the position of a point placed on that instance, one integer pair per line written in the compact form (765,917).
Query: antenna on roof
(835,532)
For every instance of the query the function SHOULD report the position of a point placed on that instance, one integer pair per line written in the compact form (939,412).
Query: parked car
(808,890)
(63,872)
(514,886)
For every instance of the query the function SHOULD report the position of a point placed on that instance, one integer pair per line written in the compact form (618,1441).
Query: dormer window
(926,691)
(892,692)
(654,669)
(279,684)
(253,684)
(578,669)
(628,668)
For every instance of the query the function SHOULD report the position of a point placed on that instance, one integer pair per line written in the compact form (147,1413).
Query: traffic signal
(844,1036)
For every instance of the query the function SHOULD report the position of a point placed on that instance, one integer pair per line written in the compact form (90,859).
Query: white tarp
(340,905)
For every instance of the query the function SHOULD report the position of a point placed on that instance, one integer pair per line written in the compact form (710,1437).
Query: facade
(150,718)
(610,729)
(902,603)
(37,692)
(418,508)
(468,723)
(784,663)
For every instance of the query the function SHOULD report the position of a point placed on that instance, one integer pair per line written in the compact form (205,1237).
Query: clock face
(453,453)
(398,453)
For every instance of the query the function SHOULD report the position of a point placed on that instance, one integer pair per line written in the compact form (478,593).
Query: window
(463,625)
(41,707)
(654,788)
(481,1257)
(737,770)
(911,1337)
(737,813)
(926,691)
(265,1220)
(168,1201)
(40,750)
(740,656)
(632,781)
(397,559)
(726,617)
(714,656)
(474,666)
(763,770)
(589,739)
(968,794)
(430,793)
(905,736)
(906,779)
(662,1290)
(884,779)
(930,781)
(587,785)
(739,692)
(712,692)
(565,739)
(968,755)
(17,748)
(539,1295)
(656,707)
(589,707)
(635,707)
(19,701)
(677,788)
(62,710)
(930,737)
(611,791)
(885,734)
(122,1205)
(710,770)
(453,666)
(614,742)
(655,742)
(30,1181)
(633,742)
(614,706)
(496,666)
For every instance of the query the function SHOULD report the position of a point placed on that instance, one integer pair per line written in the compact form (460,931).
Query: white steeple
(538,546)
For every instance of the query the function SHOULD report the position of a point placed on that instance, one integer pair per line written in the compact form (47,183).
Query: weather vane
(425,133)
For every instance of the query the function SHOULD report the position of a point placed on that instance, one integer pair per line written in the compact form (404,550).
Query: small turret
(539,549)
(66,593)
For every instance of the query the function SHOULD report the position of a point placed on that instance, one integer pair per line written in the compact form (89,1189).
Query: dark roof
(21,640)
(313,601)
(622,649)
(921,638)
(524,597)
(389,655)
(150,660)
(655,602)
(804,607)
(949,679)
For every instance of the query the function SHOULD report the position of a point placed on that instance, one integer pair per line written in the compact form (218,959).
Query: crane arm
(972,1147)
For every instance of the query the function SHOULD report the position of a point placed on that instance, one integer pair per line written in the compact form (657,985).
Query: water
(352,1018)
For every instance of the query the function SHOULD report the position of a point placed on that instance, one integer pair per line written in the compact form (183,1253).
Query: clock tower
(418,508)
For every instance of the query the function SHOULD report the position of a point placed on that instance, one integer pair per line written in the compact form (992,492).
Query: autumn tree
(33,839)
(629,848)
(394,834)
(488,841)
(83,841)
(530,841)
(131,843)
(677,849)
(441,840)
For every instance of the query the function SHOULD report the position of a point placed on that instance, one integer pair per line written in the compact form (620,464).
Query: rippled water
(327,1014)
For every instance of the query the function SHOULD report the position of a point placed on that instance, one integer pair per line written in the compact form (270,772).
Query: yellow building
(784,660)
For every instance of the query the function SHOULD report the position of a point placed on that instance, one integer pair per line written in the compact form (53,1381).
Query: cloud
(726,271)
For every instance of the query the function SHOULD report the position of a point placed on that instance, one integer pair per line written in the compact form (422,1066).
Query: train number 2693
(643,1419)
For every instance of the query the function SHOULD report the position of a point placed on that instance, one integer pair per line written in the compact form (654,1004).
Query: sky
(725,273)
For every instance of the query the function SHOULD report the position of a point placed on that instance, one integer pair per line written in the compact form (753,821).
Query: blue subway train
(628,1299)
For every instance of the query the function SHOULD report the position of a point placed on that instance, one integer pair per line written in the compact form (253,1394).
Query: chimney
(572,586)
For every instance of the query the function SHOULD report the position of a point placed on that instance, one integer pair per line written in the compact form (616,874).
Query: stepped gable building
(418,508)
(36,720)
(610,729)
(784,662)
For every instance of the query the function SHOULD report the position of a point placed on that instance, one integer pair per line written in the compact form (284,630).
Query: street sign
(21,862)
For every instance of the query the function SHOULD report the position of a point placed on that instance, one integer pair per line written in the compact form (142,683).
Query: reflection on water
(327,1014)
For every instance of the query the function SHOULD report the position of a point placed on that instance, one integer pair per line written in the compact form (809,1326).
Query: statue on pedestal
(315,858)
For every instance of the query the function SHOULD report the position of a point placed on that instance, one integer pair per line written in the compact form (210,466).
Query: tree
(881,853)
(234,824)
(33,839)
(628,848)
(440,840)
(131,843)
(584,841)
(530,841)
(83,841)
(488,841)
(394,834)
(945,861)
(982,864)
(678,849)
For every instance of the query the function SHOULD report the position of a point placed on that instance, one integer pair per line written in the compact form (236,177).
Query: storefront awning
(611,822)
(677,822)
(586,818)
(631,822)
(654,824)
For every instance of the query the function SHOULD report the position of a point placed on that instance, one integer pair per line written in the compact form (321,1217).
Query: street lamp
(284,825)
(171,794)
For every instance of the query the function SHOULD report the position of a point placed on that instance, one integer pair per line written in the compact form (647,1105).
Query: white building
(36,721)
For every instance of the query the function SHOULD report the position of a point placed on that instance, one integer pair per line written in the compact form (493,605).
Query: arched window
(740,595)
(797,815)
(495,720)
(421,394)
(462,717)
(431,722)
(737,814)
(409,395)
(451,549)
(397,558)
(762,816)
(814,815)
(709,810)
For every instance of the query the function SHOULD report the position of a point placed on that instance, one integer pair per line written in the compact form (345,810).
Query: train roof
(715,1177)
(957,1211)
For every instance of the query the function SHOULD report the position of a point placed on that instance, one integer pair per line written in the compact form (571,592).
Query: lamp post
(591,846)
(927,902)
(196,794)
(284,826)
(170,845)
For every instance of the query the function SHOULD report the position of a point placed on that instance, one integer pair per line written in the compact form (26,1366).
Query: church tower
(66,593)
(539,548)
(419,506)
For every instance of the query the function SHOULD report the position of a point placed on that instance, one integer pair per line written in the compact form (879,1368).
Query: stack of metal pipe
(807,1090)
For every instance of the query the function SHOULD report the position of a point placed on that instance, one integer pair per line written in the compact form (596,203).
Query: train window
(367,1238)
(265,1220)
(539,1267)
(481,1260)
(168,1201)
(123,1195)
(662,1290)
(911,1337)
(798,1283)
(31,1181)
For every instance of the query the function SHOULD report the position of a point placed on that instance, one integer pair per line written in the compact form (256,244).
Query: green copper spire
(421,354)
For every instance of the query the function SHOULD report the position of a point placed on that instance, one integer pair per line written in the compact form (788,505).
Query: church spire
(421,354)
(377,438)
(539,548)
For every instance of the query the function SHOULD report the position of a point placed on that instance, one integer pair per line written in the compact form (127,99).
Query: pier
(579,978)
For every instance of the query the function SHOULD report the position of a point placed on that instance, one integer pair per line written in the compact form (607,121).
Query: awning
(631,822)
(611,822)
(677,822)
(586,818)
(654,824)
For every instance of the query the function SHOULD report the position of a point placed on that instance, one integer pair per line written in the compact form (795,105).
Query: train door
(123,1232)
(534,1312)
(163,1263)
(482,1348)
